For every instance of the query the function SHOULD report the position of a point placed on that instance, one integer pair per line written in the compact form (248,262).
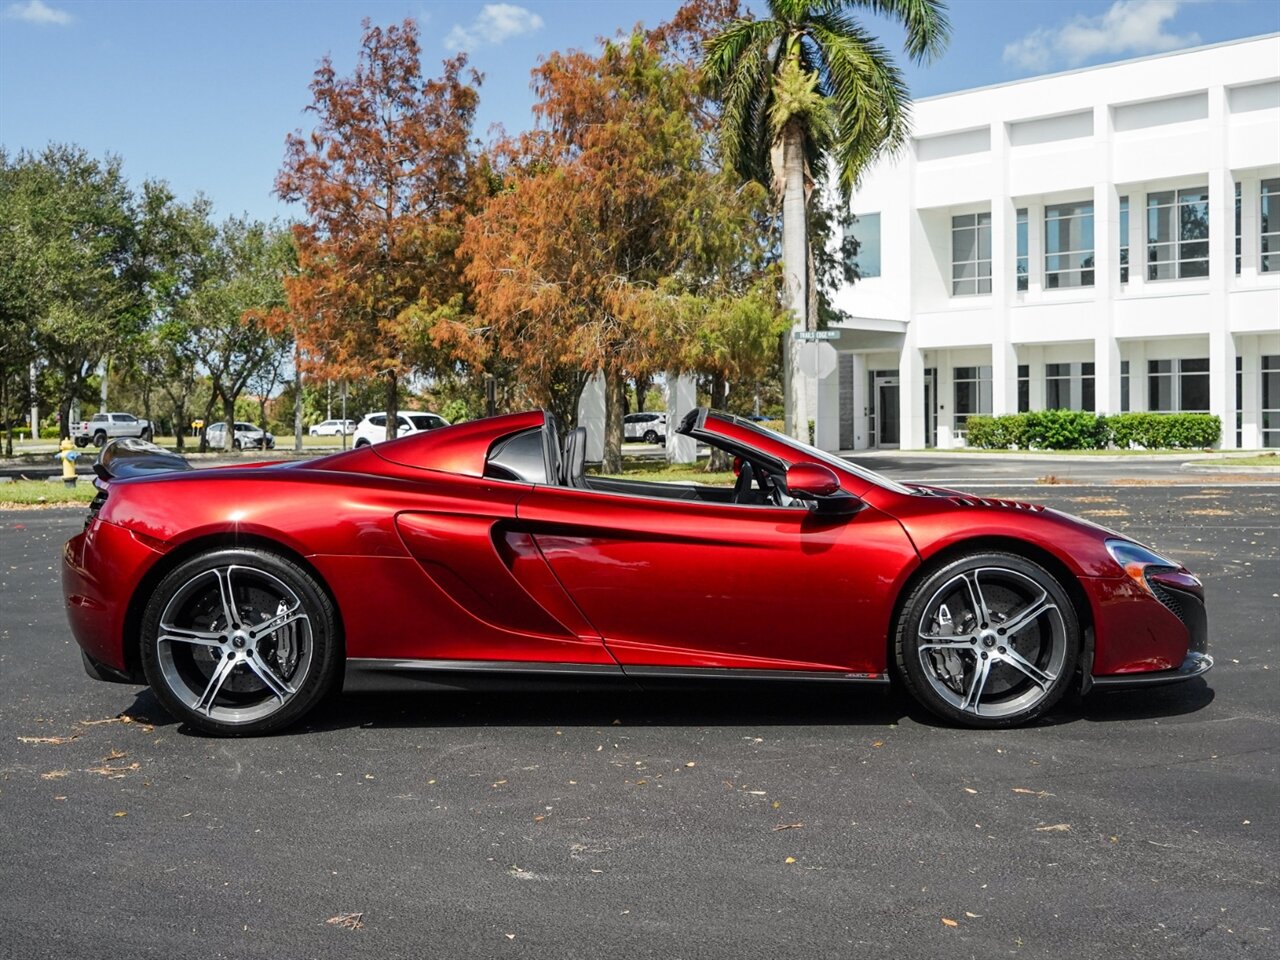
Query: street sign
(816,334)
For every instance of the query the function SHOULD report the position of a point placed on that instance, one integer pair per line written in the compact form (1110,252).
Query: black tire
(145,436)
(362,443)
(237,444)
(959,661)
(100,439)
(240,681)
(81,442)
(651,436)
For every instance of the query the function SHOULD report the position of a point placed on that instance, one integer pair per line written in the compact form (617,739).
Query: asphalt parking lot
(739,823)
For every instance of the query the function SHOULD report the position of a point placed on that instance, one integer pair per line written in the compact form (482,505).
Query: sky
(201,94)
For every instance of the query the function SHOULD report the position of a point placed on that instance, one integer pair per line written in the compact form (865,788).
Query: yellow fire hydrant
(67,454)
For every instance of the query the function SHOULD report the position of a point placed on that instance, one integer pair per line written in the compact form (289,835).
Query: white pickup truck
(102,427)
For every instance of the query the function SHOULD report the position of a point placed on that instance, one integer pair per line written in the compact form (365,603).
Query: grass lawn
(660,472)
(29,493)
(1258,460)
(1063,453)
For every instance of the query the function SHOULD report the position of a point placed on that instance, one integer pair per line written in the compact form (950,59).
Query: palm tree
(813,85)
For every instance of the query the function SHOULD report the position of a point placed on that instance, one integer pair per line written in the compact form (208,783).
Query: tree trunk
(297,401)
(208,420)
(393,410)
(795,245)
(180,423)
(4,412)
(615,398)
(720,459)
(642,387)
(229,412)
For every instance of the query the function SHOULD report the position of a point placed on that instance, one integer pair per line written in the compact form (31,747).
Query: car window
(99,418)
(378,420)
(423,421)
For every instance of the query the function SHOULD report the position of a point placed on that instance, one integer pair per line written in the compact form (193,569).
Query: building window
(1237,236)
(1023,261)
(1069,386)
(1124,239)
(1068,245)
(1271,401)
(1270,224)
(1024,387)
(1176,386)
(1178,234)
(864,229)
(972,394)
(1124,386)
(971,254)
(1057,386)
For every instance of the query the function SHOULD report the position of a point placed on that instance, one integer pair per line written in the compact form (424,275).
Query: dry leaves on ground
(348,921)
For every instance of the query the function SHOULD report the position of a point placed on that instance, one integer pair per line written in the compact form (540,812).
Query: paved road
(743,823)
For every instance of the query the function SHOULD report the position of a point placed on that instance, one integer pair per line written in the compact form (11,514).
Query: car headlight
(1134,559)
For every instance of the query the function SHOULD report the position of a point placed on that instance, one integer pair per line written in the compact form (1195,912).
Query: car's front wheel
(988,640)
(651,436)
(239,641)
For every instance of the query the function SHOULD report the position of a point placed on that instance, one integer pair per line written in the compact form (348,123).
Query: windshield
(828,458)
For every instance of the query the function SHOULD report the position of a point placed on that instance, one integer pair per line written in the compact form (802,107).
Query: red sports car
(243,595)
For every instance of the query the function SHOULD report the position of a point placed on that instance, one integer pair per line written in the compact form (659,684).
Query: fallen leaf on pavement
(120,813)
(973,916)
(54,775)
(787,826)
(1034,793)
(949,922)
(348,921)
(67,739)
(970,790)
(789,860)
(1055,828)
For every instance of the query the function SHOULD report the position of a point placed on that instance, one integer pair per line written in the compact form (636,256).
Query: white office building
(1106,239)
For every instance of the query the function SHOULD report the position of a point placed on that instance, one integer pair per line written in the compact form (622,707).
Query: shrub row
(1080,430)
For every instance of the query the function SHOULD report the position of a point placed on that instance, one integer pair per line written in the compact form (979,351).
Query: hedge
(1081,430)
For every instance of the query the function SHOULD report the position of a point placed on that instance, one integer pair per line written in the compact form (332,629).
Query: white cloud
(495,23)
(39,12)
(1128,27)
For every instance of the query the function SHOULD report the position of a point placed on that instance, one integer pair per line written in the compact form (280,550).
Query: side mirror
(813,481)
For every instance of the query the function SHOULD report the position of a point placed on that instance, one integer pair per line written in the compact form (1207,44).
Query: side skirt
(369,674)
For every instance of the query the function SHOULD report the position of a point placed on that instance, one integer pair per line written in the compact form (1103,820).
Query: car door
(690,583)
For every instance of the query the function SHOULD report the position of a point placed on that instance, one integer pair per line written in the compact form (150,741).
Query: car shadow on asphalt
(690,706)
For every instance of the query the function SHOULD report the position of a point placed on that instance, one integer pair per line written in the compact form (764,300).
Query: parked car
(483,552)
(646,427)
(102,427)
(247,436)
(373,428)
(333,428)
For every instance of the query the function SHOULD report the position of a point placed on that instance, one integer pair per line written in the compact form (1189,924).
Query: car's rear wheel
(239,641)
(651,436)
(100,439)
(988,640)
(145,436)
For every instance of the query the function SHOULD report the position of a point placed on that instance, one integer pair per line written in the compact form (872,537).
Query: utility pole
(105,372)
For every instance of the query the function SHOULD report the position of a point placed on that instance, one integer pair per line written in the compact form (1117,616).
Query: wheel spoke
(214,687)
(272,624)
(269,677)
(200,638)
(1022,618)
(223,575)
(973,696)
(976,598)
(955,645)
(1037,676)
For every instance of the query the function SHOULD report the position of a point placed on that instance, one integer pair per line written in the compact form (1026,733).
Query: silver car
(645,427)
(246,437)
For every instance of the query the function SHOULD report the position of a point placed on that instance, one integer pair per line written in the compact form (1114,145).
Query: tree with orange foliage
(607,200)
(385,178)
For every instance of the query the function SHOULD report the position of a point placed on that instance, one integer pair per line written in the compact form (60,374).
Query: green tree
(808,87)
(75,221)
(225,315)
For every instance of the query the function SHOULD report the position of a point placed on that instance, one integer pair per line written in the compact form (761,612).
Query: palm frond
(871,99)
(927,24)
